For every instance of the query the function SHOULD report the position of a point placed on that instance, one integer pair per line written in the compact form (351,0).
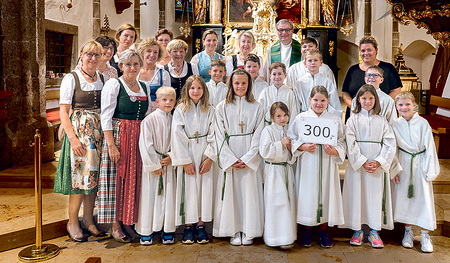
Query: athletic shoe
(246,241)
(146,240)
(425,241)
(189,235)
(375,240)
(357,238)
(408,239)
(202,236)
(287,246)
(305,240)
(236,240)
(167,238)
(325,240)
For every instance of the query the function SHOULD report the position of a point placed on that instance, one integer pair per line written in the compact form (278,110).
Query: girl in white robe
(193,147)
(157,196)
(371,148)
(239,198)
(317,173)
(414,200)
(280,227)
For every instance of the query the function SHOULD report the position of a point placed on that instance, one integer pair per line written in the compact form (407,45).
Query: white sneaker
(408,239)
(425,241)
(289,246)
(246,241)
(236,240)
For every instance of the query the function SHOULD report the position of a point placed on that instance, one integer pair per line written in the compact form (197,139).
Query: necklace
(129,84)
(92,77)
(178,71)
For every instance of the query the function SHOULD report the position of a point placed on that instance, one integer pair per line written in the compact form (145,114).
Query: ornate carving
(197,45)
(304,19)
(347,29)
(186,30)
(331,49)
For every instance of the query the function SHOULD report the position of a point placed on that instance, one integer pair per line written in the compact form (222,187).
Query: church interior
(40,42)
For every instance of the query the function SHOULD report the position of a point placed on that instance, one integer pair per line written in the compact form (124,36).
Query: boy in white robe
(216,87)
(374,77)
(414,200)
(193,147)
(299,69)
(239,200)
(252,66)
(367,189)
(280,227)
(277,91)
(157,197)
(303,86)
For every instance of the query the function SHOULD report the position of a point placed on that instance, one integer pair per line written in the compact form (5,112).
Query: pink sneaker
(375,239)
(357,238)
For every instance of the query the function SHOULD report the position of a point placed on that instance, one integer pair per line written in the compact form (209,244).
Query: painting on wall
(289,9)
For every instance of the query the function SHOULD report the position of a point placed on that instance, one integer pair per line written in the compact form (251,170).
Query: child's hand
(396,179)
(166,161)
(309,147)
(159,171)
(286,141)
(205,166)
(189,169)
(371,166)
(330,150)
(238,165)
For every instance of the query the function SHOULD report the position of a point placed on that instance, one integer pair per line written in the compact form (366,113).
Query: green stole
(296,53)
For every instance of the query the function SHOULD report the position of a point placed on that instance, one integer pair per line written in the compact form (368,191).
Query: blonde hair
(275,65)
(90,46)
(313,52)
(368,40)
(176,44)
(127,55)
(230,93)
(406,95)
(248,34)
(367,88)
(147,43)
(166,90)
(126,27)
(377,68)
(184,100)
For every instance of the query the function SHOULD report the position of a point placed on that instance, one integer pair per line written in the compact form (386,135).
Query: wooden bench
(440,125)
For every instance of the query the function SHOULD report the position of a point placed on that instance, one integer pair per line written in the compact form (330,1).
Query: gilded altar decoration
(331,48)
(407,75)
(347,29)
(328,12)
(198,45)
(186,30)
(314,13)
(200,12)
(304,20)
(289,9)
(215,11)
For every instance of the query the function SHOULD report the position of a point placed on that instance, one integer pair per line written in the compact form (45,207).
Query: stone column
(23,62)
(137,17)
(215,11)
(97,24)
(368,18)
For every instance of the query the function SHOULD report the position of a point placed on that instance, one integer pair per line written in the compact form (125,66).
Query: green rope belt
(183,193)
(268,122)
(384,187)
(411,180)
(227,138)
(161,185)
(285,174)
(195,137)
(319,200)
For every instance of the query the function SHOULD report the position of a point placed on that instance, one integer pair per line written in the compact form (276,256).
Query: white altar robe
(217,92)
(258,86)
(283,94)
(387,104)
(156,211)
(307,176)
(241,209)
(304,85)
(363,192)
(280,227)
(197,190)
(299,69)
(415,136)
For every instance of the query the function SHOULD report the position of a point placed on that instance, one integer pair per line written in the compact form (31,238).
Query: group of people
(164,143)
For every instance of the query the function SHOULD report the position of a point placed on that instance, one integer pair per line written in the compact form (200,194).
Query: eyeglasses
(90,54)
(284,30)
(370,75)
(108,48)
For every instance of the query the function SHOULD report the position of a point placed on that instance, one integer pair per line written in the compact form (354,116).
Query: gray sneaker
(425,241)
(408,239)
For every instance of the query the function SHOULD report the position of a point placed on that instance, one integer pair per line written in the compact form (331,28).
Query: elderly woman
(126,36)
(204,58)
(368,50)
(178,68)
(164,36)
(152,75)
(109,50)
(247,43)
(124,105)
(78,166)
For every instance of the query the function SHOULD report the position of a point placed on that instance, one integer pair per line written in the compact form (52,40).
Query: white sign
(318,130)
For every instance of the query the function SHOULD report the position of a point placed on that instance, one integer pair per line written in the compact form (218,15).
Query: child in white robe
(414,200)
(252,65)
(374,77)
(193,147)
(217,89)
(302,87)
(239,198)
(278,92)
(280,227)
(157,197)
(317,173)
(367,189)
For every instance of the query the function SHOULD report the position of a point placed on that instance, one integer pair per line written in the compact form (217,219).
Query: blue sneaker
(146,240)
(167,238)
(305,240)
(189,235)
(325,240)
(202,236)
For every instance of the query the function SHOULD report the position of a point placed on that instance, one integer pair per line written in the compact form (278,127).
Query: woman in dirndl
(78,166)
(124,105)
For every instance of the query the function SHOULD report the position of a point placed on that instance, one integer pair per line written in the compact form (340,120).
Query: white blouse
(185,70)
(67,88)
